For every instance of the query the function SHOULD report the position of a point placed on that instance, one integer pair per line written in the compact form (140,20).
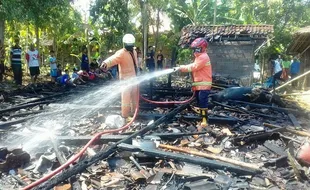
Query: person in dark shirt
(59,70)
(150,61)
(85,61)
(295,70)
(16,62)
(160,60)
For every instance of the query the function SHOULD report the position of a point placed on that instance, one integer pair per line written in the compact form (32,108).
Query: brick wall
(234,59)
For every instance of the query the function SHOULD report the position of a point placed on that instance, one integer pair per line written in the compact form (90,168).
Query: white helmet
(129,39)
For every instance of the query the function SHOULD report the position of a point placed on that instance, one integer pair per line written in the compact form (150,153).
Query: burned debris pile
(254,141)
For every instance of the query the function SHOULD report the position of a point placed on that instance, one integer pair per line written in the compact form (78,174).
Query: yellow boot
(204,115)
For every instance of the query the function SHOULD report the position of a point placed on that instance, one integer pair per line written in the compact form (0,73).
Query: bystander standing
(295,69)
(160,60)
(150,61)
(16,62)
(53,66)
(32,57)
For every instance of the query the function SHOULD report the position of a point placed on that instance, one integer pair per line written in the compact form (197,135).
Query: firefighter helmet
(129,39)
(199,45)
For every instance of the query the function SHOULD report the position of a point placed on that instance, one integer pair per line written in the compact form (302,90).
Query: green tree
(113,18)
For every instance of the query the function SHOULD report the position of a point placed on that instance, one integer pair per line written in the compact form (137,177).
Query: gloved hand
(176,69)
(103,66)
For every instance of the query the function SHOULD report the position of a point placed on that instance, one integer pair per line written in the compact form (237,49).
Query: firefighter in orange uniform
(202,76)
(126,59)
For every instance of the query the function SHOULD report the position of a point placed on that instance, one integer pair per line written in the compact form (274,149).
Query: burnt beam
(23,106)
(80,140)
(211,119)
(104,154)
(212,164)
(7,124)
(285,110)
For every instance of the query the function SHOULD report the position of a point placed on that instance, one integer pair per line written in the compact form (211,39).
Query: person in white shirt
(53,65)
(276,71)
(32,57)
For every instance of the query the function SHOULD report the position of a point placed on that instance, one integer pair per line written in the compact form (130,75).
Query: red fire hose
(74,158)
(170,102)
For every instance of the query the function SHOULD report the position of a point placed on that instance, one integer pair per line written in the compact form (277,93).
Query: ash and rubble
(252,142)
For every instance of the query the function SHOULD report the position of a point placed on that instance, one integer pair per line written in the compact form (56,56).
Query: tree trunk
(142,25)
(37,30)
(55,44)
(157,31)
(2,29)
(214,13)
(145,28)
(157,27)
(87,45)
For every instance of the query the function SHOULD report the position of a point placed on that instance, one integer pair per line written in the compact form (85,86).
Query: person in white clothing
(276,71)
(32,57)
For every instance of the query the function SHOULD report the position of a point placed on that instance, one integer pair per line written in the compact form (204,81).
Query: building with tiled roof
(231,47)
(225,32)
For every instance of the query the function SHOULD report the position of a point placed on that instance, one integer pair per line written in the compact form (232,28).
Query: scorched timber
(211,119)
(212,164)
(82,140)
(81,166)
(18,107)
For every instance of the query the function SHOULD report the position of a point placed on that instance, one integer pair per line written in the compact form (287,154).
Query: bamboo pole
(211,156)
(301,133)
(285,84)
(295,94)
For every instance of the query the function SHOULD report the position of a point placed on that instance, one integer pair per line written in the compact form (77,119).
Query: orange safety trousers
(130,98)
(126,66)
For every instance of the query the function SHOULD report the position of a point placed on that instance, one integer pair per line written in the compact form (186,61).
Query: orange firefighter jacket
(201,71)
(126,65)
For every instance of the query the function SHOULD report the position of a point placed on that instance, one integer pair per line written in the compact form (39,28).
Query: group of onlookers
(87,72)
(283,68)
(150,59)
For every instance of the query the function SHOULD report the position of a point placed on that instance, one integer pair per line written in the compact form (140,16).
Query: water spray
(125,84)
(118,89)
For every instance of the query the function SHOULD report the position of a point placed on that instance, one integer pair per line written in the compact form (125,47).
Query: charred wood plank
(62,160)
(259,137)
(301,133)
(210,156)
(281,160)
(212,164)
(6,124)
(23,106)
(294,121)
(211,119)
(248,112)
(275,149)
(80,140)
(47,98)
(171,92)
(285,110)
(101,155)
(23,114)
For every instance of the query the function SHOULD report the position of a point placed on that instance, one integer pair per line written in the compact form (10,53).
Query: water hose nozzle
(175,69)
